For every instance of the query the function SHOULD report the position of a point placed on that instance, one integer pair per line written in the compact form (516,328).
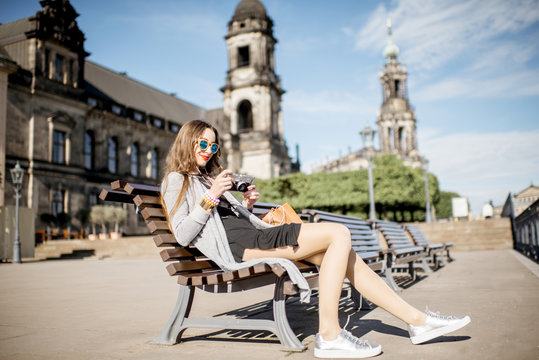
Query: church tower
(252,96)
(396,121)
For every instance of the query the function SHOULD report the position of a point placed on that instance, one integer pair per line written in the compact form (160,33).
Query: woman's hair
(181,157)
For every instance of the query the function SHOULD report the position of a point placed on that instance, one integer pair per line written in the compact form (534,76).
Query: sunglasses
(204,144)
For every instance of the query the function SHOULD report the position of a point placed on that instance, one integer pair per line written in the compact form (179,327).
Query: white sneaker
(436,325)
(345,346)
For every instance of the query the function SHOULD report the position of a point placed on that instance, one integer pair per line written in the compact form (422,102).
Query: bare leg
(328,245)
(333,240)
(368,283)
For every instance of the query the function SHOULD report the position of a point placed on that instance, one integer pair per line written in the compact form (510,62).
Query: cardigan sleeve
(186,223)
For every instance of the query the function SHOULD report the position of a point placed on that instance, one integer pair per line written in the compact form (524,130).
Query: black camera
(241,182)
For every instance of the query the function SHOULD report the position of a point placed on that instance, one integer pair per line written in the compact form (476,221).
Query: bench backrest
(417,235)
(394,234)
(364,238)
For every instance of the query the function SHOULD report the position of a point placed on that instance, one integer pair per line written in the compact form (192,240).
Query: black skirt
(241,234)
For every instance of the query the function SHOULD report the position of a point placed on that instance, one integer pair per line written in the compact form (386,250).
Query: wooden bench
(194,270)
(364,243)
(406,255)
(419,239)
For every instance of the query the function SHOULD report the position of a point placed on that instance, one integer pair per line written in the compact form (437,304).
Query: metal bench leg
(359,300)
(411,270)
(388,274)
(449,256)
(174,328)
(424,266)
(284,332)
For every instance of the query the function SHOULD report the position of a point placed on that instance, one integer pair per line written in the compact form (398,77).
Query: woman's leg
(332,240)
(313,241)
(370,285)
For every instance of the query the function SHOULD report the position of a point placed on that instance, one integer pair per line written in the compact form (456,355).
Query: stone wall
(489,234)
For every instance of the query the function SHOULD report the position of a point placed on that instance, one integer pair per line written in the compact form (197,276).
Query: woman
(202,211)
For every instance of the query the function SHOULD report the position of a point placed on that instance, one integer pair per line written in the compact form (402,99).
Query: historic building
(252,95)
(396,119)
(75,125)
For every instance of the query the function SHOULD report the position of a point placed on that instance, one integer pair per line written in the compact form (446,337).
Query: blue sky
(473,73)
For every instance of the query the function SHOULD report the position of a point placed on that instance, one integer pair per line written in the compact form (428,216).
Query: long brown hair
(181,157)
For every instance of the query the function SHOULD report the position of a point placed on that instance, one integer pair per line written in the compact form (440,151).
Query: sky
(473,74)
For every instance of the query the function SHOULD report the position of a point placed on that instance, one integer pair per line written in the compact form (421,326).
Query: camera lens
(242,187)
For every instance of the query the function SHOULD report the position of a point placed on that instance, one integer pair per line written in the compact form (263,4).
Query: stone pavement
(111,309)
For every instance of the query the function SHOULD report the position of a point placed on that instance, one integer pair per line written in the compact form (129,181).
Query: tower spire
(391,50)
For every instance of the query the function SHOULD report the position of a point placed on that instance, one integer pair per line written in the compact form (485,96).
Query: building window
(58,197)
(398,88)
(159,123)
(245,116)
(59,68)
(138,116)
(243,56)
(92,102)
(89,150)
(116,109)
(154,164)
(133,156)
(113,155)
(46,69)
(58,147)
(173,127)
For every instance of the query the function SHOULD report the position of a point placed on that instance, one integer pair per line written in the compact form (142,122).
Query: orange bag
(284,214)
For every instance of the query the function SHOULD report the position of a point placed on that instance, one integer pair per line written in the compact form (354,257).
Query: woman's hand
(221,184)
(250,196)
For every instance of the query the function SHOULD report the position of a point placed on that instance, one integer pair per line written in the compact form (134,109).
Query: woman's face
(203,156)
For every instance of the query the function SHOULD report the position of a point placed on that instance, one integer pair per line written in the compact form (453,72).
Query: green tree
(399,190)
(444,207)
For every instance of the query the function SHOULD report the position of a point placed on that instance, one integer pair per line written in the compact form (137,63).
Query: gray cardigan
(191,223)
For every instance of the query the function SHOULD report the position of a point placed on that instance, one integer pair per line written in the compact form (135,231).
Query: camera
(241,182)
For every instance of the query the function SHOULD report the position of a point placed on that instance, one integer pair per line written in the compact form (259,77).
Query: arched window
(398,88)
(245,116)
(243,56)
(133,159)
(402,139)
(112,155)
(89,150)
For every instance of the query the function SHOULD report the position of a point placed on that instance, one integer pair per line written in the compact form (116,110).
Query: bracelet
(211,199)
(206,205)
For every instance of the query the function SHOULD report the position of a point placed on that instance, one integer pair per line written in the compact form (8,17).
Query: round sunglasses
(203,145)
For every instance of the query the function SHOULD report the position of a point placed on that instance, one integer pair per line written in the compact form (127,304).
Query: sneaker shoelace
(348,335)
(437,315)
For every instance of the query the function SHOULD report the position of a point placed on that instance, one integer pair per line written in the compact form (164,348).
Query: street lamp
(367,136)
(427,197)
(17,175)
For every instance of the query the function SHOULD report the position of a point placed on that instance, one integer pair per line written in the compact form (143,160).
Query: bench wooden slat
(141,189)
(150,213)
(162,240)
(115,196)
(176,268)
(156,226)
(147,201)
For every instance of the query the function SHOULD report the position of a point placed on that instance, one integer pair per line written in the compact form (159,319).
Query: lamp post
(367,136)
(427,197)
(17,174)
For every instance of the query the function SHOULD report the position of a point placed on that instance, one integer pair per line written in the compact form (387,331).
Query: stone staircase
(126,247)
